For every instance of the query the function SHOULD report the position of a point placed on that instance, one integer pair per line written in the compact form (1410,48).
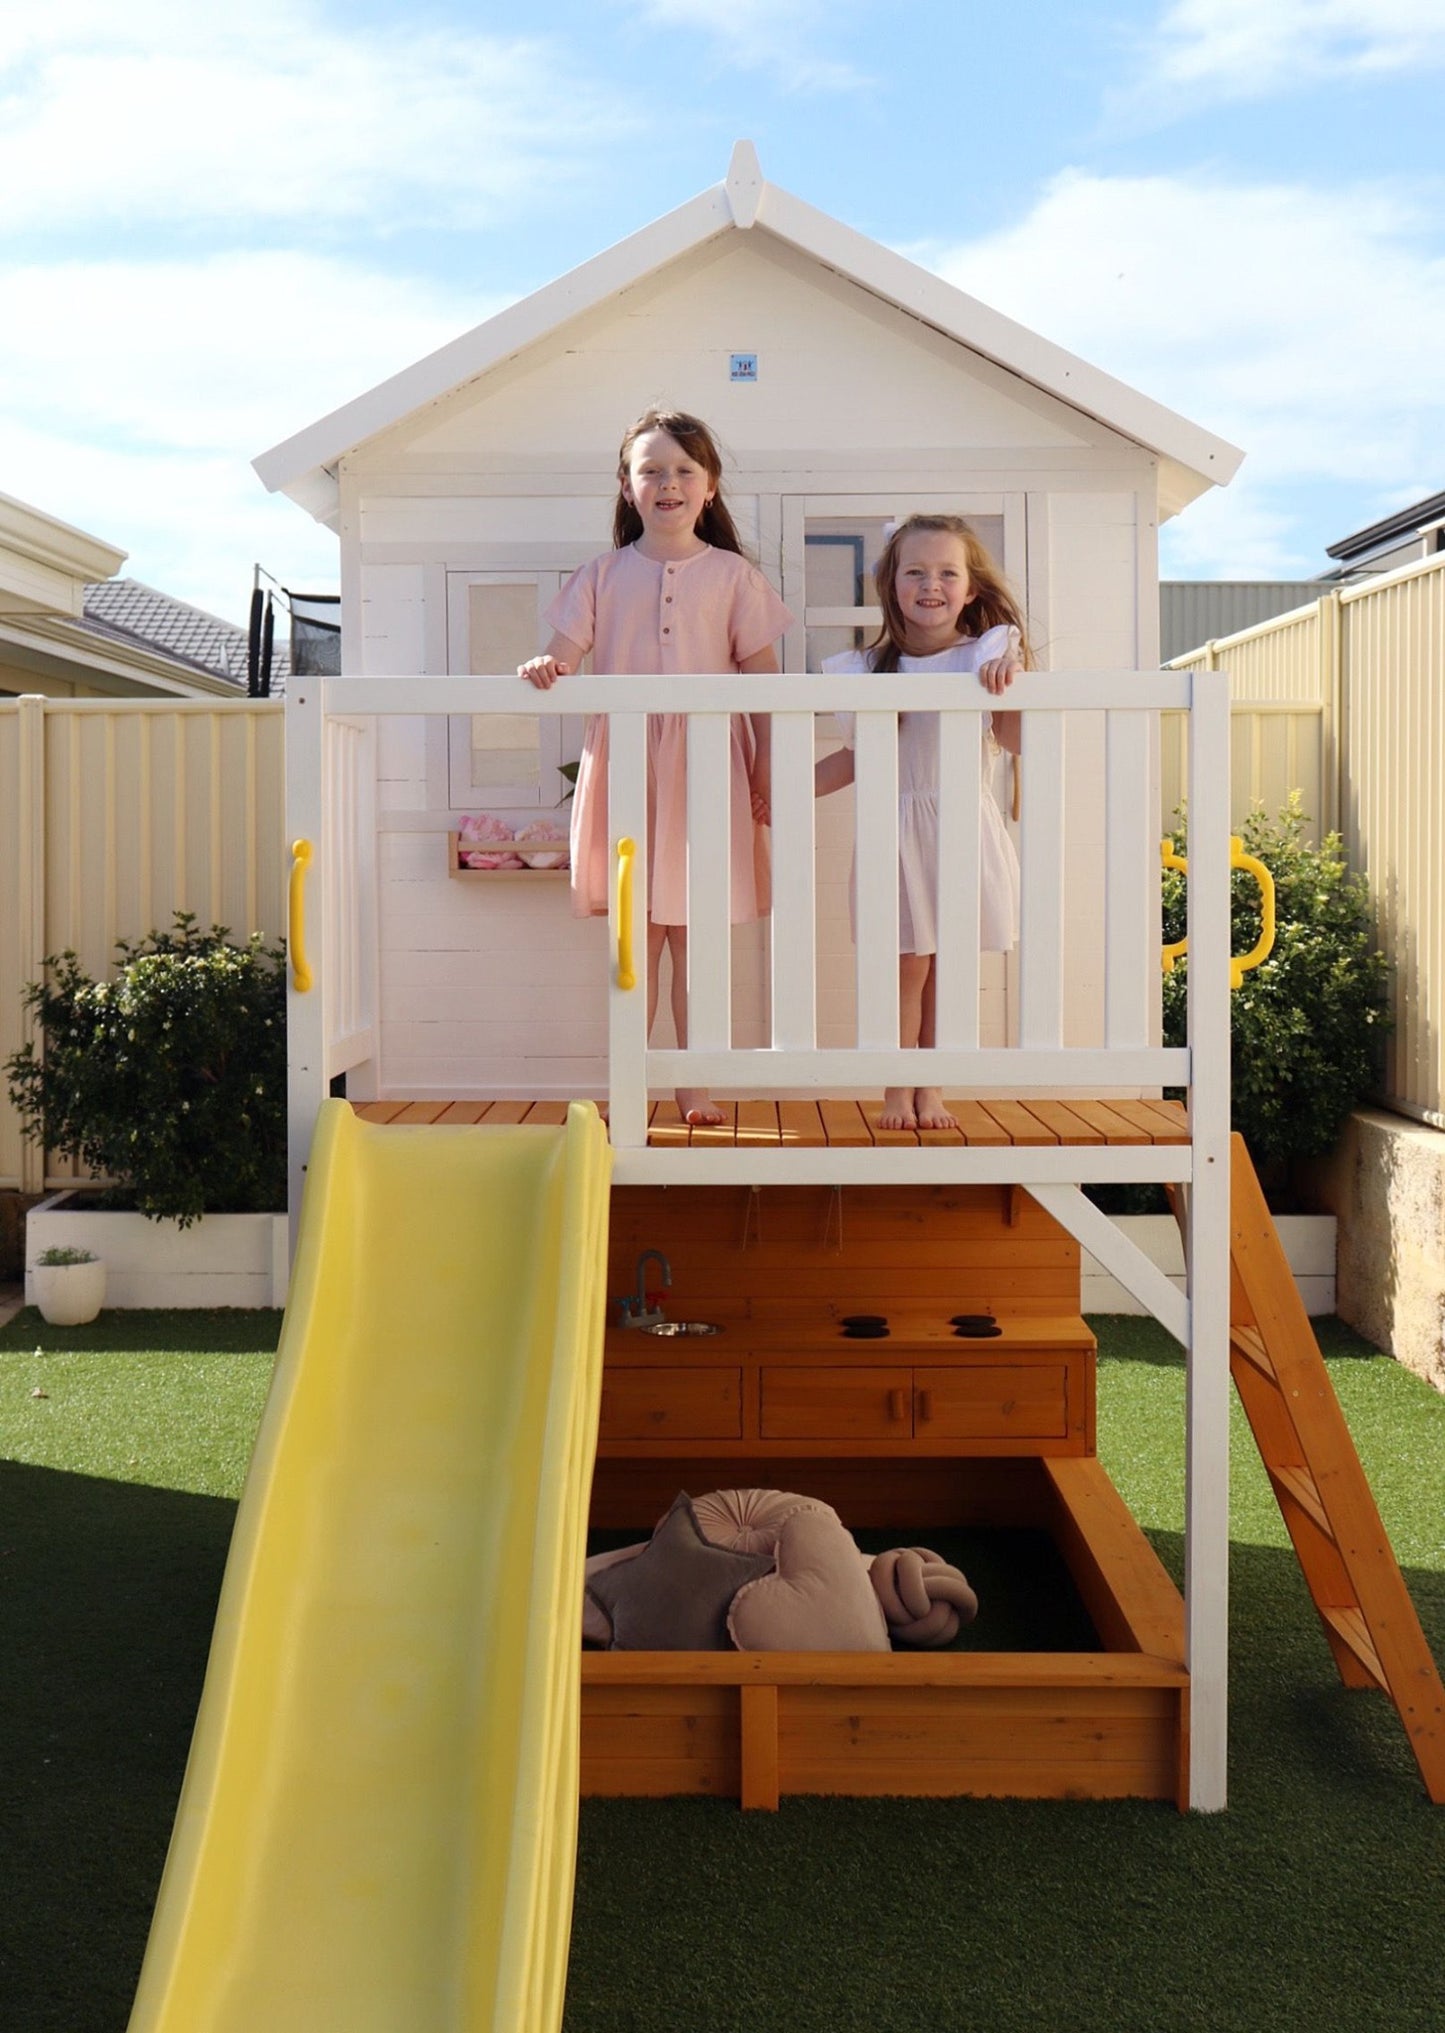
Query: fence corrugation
(116,815)
(1393,733)
(1364,669)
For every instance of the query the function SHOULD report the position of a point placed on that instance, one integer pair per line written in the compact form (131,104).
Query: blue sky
(218,229)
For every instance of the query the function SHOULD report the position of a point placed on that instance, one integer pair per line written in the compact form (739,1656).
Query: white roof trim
(46,564)
(746,201)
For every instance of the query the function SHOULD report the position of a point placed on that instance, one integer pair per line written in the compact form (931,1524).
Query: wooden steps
(1352,1574)
(849,1125)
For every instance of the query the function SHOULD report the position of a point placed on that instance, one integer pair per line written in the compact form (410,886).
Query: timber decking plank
(977,1125)
(757,1124)
(845,1125)
(801,1122)
(1018,1125)
(1066,1123)
(1117,1129)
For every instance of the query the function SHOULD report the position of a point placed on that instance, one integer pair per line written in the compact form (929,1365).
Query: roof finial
(744,184)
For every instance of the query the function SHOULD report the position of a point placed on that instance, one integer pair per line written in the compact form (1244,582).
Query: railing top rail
(824,692)
(115,703)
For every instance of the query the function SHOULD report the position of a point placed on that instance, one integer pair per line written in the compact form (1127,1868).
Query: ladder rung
(1300,1484)
(1349,1626)
(1246,1341)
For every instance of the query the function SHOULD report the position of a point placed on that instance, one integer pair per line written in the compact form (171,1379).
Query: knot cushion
(924,1600)
(819,1599)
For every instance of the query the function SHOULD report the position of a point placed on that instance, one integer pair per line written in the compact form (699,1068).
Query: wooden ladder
(1326,1502)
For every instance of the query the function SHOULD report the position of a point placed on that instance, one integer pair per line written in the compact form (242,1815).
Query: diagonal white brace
(1117,1254)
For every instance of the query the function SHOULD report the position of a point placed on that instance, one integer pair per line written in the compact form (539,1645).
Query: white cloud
(168,112)
(786,38)
(1250,48)
(138,394)
(1302,324)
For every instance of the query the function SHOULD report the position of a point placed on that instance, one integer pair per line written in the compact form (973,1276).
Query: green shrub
(1308,1027)
(170,1079)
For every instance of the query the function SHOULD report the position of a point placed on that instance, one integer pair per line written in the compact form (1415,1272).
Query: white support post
(1131,881)
(960,795)
(709,886)
(627,1007)
(875,778)
(794,925)
(1041,941)
(306,1084)
(1206,1585)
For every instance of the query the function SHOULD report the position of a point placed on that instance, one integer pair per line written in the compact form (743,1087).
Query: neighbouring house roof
(127,610)
(1191,459)
(1377,538)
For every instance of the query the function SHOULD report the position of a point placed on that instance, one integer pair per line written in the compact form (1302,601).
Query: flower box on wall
(1309,1245)
(220,1260)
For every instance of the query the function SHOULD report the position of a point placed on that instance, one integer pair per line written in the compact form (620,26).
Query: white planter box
(1309,1244)
(220,1260)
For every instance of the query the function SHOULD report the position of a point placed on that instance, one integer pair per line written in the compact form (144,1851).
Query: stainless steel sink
(670,1327)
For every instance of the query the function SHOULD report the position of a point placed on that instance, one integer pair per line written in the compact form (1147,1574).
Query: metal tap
(634,1311)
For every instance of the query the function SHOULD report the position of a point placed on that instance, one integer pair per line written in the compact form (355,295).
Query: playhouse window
(498,761)
(840,553)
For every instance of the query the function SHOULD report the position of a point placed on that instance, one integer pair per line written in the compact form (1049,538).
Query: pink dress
(709,612)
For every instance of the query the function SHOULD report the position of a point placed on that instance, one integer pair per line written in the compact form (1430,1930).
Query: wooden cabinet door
(837,1404)
(649,1403)
(986,1401)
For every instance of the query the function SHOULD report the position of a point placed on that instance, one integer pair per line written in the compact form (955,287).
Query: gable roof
(1191,459)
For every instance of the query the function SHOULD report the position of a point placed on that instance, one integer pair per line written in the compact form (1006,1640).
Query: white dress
(998,903)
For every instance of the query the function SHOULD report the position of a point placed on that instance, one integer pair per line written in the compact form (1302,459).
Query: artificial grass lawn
(1315,1901)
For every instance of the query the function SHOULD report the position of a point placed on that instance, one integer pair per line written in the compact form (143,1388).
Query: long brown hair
(992,600)
(715,524)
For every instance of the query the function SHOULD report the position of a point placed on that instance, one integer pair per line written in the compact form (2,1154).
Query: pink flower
(481,826)
(545,829)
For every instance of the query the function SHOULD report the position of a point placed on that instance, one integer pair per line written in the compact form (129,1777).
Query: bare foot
(897,1110)
(697,1107)
(929,1109)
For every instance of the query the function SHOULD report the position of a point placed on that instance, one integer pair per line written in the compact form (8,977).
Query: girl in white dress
(946,607)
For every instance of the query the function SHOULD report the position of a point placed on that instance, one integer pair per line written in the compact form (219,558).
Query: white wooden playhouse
(847,387)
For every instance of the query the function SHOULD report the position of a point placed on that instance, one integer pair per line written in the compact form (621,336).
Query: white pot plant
(69,1286)
(166,1082)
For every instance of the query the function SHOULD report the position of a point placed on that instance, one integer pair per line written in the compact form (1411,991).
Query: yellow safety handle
(301,978)
(626,859)
(1244,963)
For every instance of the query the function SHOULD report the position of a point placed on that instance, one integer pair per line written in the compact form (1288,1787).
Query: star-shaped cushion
(675,1596)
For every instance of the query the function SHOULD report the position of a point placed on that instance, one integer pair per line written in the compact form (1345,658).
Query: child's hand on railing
(543,672)
(998,673)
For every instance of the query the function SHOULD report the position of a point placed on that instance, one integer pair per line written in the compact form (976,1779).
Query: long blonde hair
(992,600)
(715,524)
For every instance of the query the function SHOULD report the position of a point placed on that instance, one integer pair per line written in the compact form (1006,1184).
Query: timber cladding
(826,1251)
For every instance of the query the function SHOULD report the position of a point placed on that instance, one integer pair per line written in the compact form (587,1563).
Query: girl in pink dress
(674,594)
(946,607)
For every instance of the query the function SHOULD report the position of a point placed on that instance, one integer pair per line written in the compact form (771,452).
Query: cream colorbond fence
(1343,700)
(115,814)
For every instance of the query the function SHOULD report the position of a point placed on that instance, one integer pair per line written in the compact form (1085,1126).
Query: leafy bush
(59,1258)
(170,1079)
(1309,1026)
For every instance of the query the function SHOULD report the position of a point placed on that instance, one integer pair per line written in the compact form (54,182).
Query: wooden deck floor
(842,1124)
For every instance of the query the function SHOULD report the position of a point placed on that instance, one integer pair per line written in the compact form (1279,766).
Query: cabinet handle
(925,1404)
(896,1407)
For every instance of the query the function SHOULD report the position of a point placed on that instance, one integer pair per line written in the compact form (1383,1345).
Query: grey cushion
(675,1596)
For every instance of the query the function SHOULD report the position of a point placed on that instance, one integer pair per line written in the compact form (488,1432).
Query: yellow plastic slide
(378,1824)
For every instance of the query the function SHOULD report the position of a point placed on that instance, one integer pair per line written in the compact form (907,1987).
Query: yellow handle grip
(626,859)
(301,978)
(1244,963)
